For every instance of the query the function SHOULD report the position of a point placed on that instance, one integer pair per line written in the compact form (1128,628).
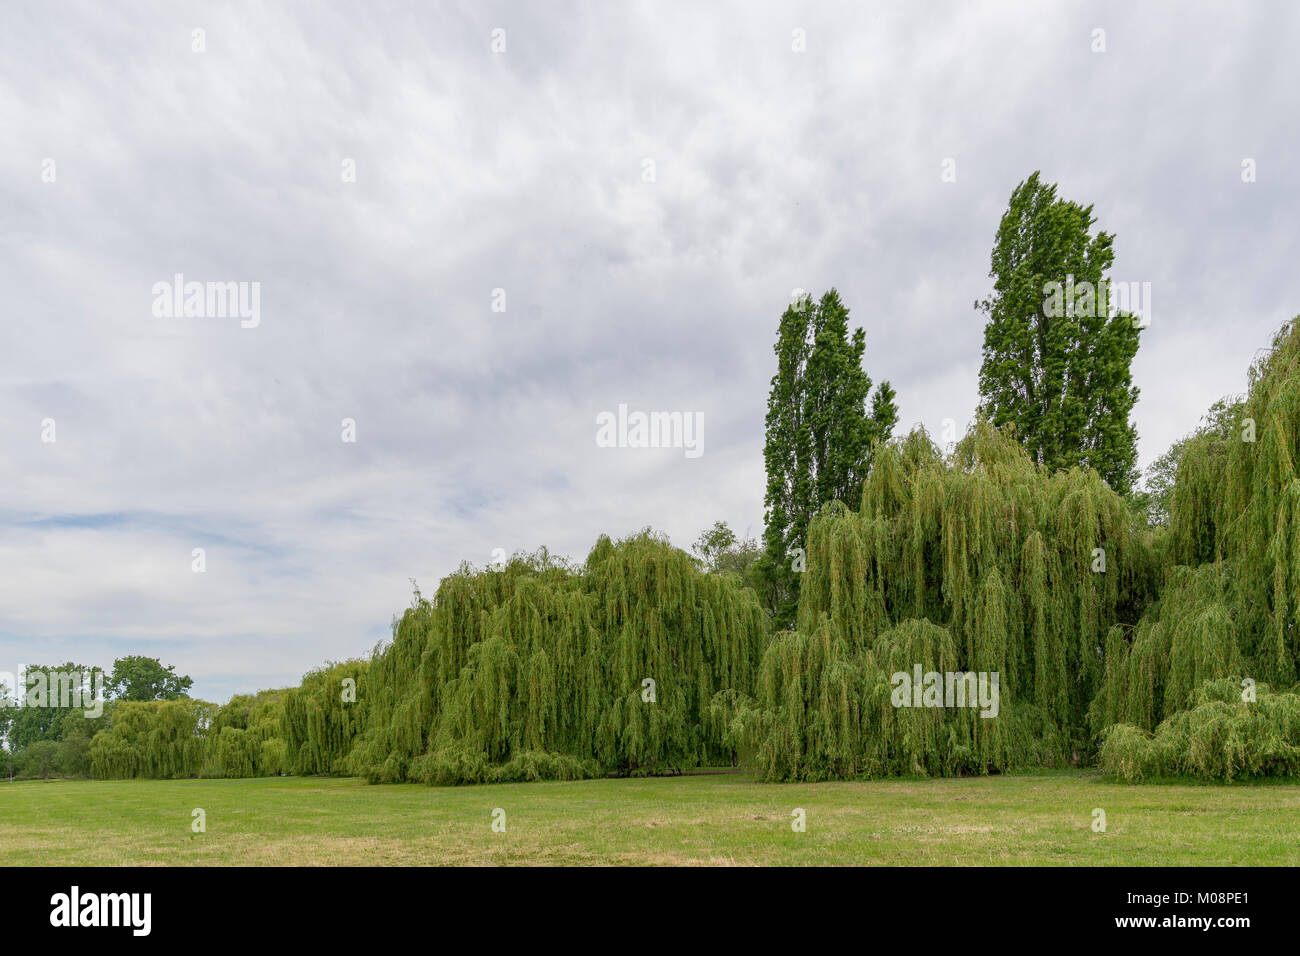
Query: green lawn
(1038,818)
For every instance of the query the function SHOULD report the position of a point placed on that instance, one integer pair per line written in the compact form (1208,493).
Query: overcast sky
(647,184)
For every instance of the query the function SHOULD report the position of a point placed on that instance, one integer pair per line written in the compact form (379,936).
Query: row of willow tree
(537,669)
(1156,651)
(299,730)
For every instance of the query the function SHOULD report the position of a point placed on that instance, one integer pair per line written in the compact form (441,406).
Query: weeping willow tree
(1188,637)
(1259,518)
(246,737)
(305,730)
(543,670)
(1229,609)
(980,562)
(191,738)
(162,738)
(430,645)
(323,716)
(835,713)
(1221,736)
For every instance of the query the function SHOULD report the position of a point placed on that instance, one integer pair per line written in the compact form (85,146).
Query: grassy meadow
(1040,818)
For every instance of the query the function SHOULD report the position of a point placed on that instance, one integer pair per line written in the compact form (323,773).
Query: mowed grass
(1039,818)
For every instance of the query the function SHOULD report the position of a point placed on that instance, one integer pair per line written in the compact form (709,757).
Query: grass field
(1038,818)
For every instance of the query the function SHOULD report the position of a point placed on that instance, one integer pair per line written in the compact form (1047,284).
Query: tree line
(46,731)
(1149,627)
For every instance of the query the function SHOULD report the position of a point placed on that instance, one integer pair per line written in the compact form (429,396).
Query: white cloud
(523,171)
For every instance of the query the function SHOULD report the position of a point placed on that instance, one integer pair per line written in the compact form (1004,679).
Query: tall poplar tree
(820,433)
(1056,362)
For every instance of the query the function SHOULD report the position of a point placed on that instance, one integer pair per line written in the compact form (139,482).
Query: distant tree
(712,543)
(719,550)
(1056,362)
(40,759)
(72,757)
(742,559)
(7,702)
(145,678)
(820,433)
(44,704)
(1219,424)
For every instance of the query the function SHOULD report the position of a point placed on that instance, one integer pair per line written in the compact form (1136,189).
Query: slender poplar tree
(1056,361)
(820,434)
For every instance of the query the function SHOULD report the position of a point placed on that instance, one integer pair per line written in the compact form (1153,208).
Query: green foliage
(712,544)
(145,678)
(49,696)
(1258,522)
(192,738)
(1220,737)
(38,759)
(7,704)
(982,561)
(1184,639)
(1228,606)
(72,758)
(719,551)
(164,739)
(322,717)
(1101,630)
(540,669)
(246,737)
(1218,427)
(1058,366)
(820,433)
